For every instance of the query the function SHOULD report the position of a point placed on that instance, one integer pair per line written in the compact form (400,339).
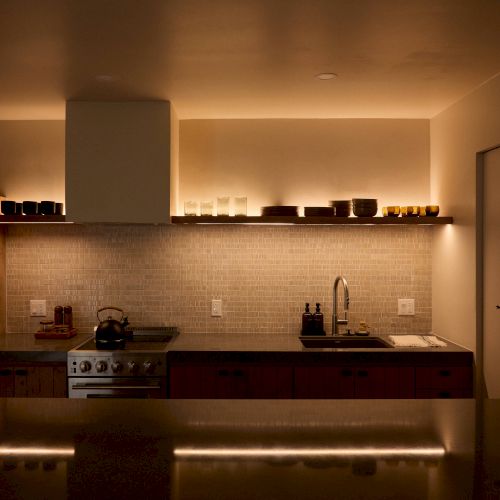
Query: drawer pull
(444,395)
(362,373)
(5,373)
(223,373)
(346,373)
(444,373)
(238,373)
(22,372)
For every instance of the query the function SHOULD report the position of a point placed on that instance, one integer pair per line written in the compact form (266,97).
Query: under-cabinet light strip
(29,450)
(421,453)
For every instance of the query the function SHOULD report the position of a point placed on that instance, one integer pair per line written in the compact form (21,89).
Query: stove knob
(133,367)
(149,367)
(85,366)
(116,367)
(101,366)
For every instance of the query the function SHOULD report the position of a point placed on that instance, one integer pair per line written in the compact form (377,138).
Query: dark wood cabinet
(33,381)
(444,382)
(230,381)
(361,382)
(259,376)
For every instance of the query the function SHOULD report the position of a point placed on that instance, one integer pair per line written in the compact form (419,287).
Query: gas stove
(137,370)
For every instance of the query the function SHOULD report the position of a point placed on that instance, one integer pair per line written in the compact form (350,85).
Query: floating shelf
(28,219)
(391,221)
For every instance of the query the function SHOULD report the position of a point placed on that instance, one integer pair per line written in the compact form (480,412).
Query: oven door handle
(115,387)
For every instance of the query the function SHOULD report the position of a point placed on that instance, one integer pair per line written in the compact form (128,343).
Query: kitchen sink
(345,342)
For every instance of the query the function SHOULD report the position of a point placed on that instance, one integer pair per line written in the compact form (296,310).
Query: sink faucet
(335,319)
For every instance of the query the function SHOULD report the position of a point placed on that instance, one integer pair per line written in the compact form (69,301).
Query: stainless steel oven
(137,371)
(115,387)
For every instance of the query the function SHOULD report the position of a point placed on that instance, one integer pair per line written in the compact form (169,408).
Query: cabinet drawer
(444,377)
(443,393)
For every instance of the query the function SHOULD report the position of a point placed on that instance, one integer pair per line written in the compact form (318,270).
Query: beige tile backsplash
(264,275)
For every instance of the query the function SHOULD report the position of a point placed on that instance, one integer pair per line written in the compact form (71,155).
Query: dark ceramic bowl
(364,211)
(8,207)
(47,207)
(30,207)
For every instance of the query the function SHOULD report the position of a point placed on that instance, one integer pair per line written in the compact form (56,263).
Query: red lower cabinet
(309,379)
(361,382)
(230,381)
(444,382)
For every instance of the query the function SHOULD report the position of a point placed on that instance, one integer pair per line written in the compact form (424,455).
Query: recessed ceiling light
(326,76)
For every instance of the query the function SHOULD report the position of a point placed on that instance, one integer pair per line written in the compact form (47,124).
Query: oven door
(117,387)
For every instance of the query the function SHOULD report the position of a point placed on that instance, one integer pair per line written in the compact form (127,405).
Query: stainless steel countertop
(288,449)
(25,347)
(277,343)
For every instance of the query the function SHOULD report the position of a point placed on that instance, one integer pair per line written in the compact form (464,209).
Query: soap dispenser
(307,321)
(318,321)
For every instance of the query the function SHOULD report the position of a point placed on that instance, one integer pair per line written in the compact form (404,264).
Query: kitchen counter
(24,347)
(197,449)
(279,347)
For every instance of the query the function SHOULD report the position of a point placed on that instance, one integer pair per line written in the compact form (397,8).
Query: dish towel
(416,341)
(408,341)
(434,341)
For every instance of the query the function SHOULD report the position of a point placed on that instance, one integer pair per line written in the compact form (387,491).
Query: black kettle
(110,333)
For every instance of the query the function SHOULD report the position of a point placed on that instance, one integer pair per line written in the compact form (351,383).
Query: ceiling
(247,58)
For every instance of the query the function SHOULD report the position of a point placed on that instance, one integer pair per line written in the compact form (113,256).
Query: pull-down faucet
(335,319)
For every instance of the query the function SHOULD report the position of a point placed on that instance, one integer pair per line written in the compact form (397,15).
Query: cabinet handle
(5,373)
(238,373)
(444,395)
(444,373)
(362,373)
(223,373)
(22,372)
(346,373)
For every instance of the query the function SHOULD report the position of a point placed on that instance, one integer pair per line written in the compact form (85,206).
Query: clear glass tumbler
(190,208)
(223,205)
(240,205)
(206,208)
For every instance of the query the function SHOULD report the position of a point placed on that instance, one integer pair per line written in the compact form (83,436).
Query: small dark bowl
(342,211)
(365,211)
(59,209)
(47,207)
(19,209)
(8,207)
(30,207)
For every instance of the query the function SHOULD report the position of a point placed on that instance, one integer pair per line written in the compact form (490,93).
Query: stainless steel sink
(345,342)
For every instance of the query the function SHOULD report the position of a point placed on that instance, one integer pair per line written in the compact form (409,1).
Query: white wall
(469,126)
(305,162)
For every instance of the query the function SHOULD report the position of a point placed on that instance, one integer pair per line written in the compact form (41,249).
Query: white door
(491,276)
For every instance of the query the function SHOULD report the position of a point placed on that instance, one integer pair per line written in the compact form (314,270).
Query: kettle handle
(109,307)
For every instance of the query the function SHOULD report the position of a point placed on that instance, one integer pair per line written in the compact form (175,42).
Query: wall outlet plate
(216,309)
(38,308)
(406,307)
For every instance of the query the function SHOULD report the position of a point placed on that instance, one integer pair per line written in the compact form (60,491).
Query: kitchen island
(242,450)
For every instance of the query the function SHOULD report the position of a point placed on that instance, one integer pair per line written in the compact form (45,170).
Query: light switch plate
(406,307)
(38,308)
(216,309)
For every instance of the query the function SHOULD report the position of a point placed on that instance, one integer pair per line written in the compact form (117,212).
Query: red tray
(56,335)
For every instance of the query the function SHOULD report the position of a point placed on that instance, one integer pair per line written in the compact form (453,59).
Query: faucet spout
(335,318)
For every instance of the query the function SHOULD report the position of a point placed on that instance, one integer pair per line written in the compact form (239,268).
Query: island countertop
(291,449)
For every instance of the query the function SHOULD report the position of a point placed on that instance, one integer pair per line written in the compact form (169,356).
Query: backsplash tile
(263,274)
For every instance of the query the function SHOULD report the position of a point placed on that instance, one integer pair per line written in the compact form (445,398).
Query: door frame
(480,386)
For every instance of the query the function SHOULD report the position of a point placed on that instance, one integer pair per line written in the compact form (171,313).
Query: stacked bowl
(364,207)
(341,208)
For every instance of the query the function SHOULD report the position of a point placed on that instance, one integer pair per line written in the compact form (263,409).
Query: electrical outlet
(216,308)
(406,307)
(38,308)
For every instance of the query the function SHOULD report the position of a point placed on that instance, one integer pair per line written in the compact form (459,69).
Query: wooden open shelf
(391,221)
(12,219)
